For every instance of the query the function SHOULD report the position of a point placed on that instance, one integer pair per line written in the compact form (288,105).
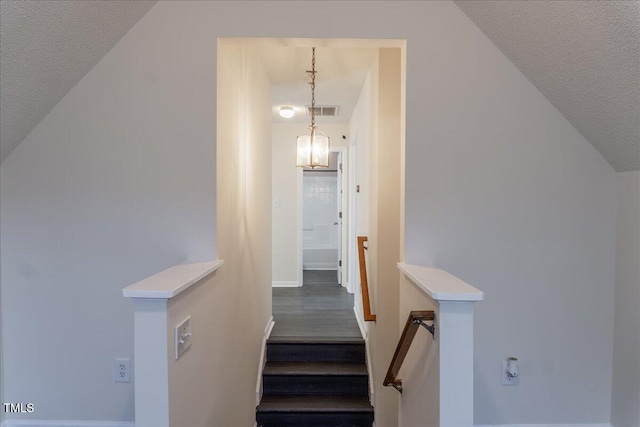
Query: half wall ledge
(169,283)
(439,284)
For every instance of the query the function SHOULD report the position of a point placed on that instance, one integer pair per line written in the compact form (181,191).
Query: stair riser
(315,385)
(350,353)
(315,420)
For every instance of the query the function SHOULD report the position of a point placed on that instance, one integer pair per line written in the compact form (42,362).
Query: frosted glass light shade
(287,112)
(313,150)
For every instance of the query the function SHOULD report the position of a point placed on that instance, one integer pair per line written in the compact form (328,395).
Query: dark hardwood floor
(315,373)
(319,310)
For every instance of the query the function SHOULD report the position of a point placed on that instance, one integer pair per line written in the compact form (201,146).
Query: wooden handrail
(416,318)
(366,305)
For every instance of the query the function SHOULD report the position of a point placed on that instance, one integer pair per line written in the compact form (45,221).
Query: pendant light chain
(313,87)
(313,148)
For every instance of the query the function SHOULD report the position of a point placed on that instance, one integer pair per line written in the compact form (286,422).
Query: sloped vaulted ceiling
(46,47)
(584,56)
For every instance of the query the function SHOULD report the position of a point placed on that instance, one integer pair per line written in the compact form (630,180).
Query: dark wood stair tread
(316,404)
(315,368)
(304,350)
(315,340)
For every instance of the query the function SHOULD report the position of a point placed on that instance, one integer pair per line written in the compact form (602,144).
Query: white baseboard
(372,390)
(543,425)
(263,357)
(61,423)
(280,284)
(347,286)
(57,423)
(76,423)
(365,335)
(360,320)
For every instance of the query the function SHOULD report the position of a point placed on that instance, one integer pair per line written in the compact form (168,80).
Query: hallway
(319,309)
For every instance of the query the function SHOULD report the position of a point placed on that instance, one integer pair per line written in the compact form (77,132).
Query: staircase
(315,383)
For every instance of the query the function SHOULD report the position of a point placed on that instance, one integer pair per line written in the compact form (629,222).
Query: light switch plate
(506,380)
(183,337)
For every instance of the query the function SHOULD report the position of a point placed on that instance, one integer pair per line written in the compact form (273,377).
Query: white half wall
(625,407)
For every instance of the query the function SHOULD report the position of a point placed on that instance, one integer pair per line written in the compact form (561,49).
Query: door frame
(343,158)
(343,150)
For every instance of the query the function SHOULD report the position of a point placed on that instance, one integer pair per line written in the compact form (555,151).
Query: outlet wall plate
(506,380)
(183,337)
(122,370)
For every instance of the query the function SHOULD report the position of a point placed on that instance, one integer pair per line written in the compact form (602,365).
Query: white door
(338,222)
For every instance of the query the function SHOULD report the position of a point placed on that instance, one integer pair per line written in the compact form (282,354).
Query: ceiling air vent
(324,110)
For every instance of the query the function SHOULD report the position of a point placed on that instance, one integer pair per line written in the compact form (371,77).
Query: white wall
(385,201)
(376,133)
(118,182)
(625,411)
(215,384)
(360,133)
(504,193)
(286,227)
(228,310)
(2,399)
(115,184)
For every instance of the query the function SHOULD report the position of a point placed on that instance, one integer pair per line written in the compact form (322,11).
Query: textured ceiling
(46,47)
(584,56)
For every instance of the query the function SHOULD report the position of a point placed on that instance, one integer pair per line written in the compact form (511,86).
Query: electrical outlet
(122,370)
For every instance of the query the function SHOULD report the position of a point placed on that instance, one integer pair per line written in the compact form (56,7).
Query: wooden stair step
(315,340)
(315,368)
(315,378)
(315,404)
(349,351)
(314,411)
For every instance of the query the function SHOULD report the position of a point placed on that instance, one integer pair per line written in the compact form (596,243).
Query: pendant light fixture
(313,149)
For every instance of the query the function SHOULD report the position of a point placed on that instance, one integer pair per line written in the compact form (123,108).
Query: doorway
(324,224)
(320,217)
(374,139)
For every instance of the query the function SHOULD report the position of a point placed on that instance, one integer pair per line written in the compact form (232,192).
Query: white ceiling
(340,75)
(584,56)
(46,47)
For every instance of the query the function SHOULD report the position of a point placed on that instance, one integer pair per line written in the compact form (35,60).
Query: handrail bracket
(431,328)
